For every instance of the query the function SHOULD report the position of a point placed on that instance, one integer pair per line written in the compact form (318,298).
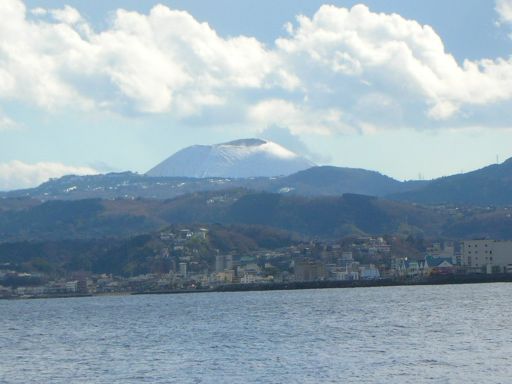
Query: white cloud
(504,9)
(67,15)
(7,124)
(165,61)
(299,119)
(398,57)
(16,174)
(33,59)
(322,77)
(39,11)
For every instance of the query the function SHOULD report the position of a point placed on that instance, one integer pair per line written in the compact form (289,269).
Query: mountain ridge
(316,181)
(490,185)
(326,217)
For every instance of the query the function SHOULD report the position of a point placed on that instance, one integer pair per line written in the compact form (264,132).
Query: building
(488,256)
(403,267)
(249,278)
(437,265)
(227,276)
(309,271)
(81,286)
(369,272)
(201,234)
(345,259)
(446,251)
(229,262)
(344,275)
(71,286)
(183,269)
(219,263)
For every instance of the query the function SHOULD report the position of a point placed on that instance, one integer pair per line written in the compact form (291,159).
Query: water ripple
(440,334)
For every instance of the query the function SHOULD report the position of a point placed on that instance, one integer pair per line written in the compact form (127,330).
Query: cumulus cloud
(396,56)
(341,70)
(165,61)
(17,174)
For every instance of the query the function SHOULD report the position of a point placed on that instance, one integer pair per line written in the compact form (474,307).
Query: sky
(412,89)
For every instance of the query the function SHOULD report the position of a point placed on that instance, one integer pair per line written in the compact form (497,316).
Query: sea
(416,334)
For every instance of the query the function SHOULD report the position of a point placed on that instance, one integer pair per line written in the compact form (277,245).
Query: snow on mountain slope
(240,158)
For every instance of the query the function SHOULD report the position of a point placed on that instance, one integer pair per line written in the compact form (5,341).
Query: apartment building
(490,256)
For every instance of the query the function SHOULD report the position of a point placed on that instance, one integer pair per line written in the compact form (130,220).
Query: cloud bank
(341,70)
(17,174)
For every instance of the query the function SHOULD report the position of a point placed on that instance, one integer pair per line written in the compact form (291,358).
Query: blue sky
(402,87)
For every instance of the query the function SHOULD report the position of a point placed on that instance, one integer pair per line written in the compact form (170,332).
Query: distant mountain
(316,181)
(125,185)
(491,185)
(332,181)
(237,159)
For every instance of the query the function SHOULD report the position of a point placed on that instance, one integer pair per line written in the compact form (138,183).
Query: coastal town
(183,267)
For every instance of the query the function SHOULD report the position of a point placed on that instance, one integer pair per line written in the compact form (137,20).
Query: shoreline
(387,282)
(437,280)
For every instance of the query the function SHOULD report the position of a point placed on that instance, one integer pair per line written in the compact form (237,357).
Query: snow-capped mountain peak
(240,159)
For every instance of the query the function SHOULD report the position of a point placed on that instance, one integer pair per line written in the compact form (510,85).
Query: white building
(248,278)
(72,286)
(487,256)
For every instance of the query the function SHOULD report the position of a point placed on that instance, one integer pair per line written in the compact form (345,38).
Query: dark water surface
(423,334)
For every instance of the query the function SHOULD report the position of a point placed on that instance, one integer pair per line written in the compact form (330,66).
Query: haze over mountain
(236,159)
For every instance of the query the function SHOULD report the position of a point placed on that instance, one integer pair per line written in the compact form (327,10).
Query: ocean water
(427,334)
